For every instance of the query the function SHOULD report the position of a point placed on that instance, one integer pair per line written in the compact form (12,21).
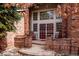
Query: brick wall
(70,22)
(3,44)
(64,45)
(23,27)
(74,26)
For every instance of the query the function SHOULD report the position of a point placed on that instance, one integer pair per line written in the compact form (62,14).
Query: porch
(42,27)
(37,50)
(57,47)
(51,47)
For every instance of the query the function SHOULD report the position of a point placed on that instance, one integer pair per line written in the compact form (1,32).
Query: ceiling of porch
(39,6)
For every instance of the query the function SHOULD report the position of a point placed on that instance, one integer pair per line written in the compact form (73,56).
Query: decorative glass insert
(58,26)
(44,15)
(35,16)
(35,27)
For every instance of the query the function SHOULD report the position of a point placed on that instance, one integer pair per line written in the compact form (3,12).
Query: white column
(54,23)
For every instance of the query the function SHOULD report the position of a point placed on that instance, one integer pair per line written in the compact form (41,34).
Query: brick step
(25,54)
(38,42)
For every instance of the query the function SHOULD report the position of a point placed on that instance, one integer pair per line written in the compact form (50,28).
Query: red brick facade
(70,26)
(67,21)
(70,21)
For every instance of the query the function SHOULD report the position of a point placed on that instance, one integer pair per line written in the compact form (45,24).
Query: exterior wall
(26,21)
(70,22)
(75,29)
(3,44)
(74,26)
(23,25)
(64,46)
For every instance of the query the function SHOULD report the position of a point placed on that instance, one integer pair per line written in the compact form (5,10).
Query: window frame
(36,16)
(47,15)
(54,21)
(58,27)
(35,29)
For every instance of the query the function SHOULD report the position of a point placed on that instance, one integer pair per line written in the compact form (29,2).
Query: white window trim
(38,21)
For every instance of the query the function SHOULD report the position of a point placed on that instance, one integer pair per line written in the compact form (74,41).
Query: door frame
(54,21)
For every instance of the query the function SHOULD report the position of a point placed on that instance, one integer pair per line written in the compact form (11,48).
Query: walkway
(37,49)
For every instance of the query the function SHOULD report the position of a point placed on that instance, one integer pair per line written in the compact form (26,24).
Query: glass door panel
(42,31)
(50,29)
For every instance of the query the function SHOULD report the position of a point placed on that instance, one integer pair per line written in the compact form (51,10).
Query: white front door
(44,23)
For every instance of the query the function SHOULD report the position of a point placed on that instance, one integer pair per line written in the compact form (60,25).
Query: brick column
(26,20)
(28,40)
(64,27)
(24,40)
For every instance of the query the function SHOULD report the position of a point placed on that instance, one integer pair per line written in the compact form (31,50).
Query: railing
(64,46)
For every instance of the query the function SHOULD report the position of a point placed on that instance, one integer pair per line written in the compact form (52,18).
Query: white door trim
(54,21)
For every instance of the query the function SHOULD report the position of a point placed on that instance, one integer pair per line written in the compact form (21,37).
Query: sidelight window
(35,27)
(35,16)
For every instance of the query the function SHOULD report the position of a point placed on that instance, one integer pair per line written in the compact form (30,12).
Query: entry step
(38,42)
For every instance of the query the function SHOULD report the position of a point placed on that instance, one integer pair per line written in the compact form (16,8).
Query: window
(58,16)
(50,29)
(34,27)
(35,16)
(58,26)
(42,31)
(46,15)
